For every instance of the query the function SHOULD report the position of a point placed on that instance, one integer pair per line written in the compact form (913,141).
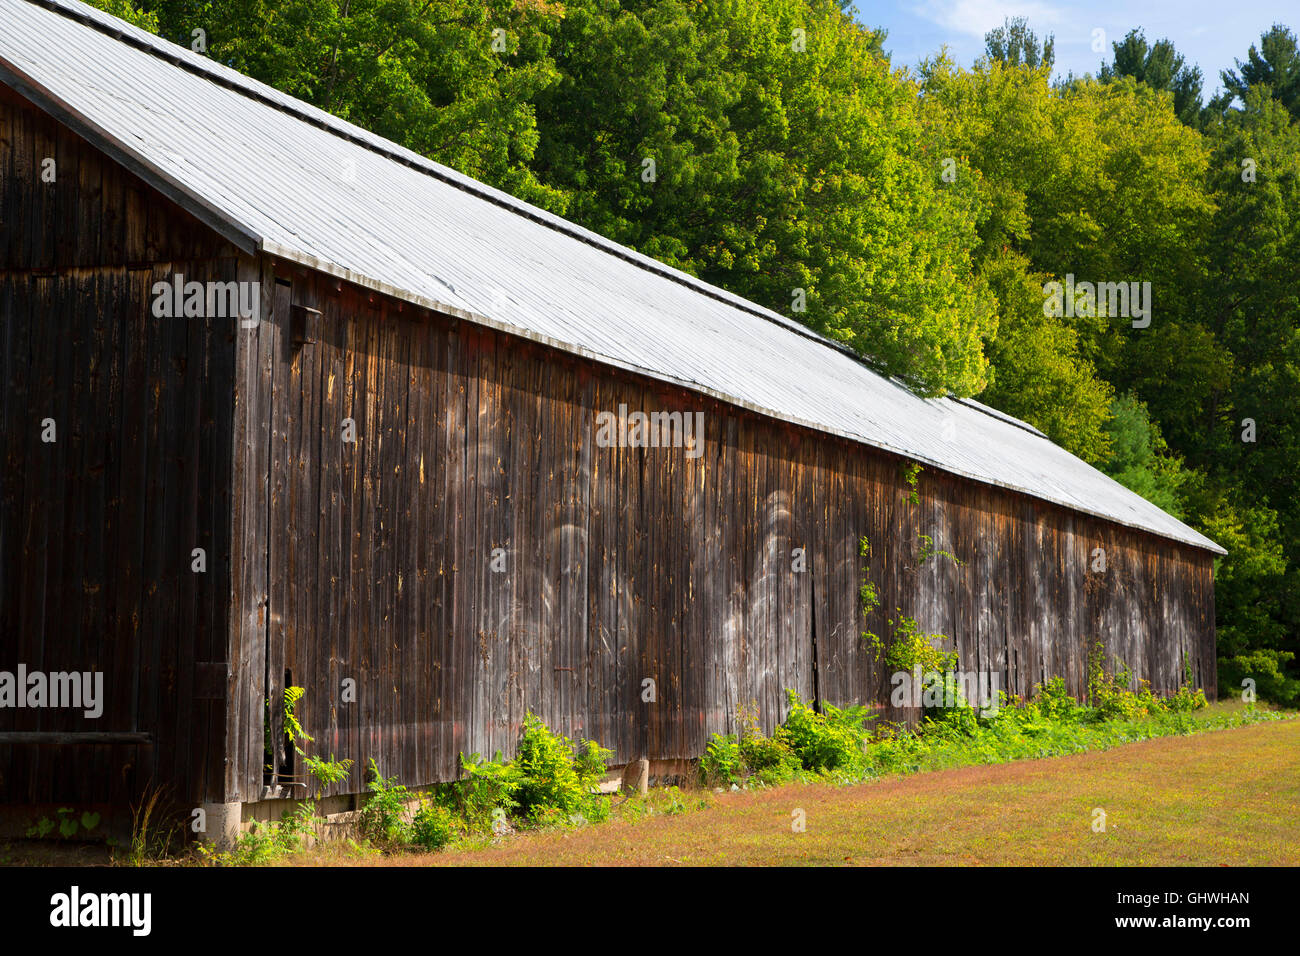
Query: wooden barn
(286,404)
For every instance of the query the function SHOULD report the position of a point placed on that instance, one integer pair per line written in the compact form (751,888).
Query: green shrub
(490,786)
(591,762)
(267,842)
(555,779)
(385,817)
(722,764)
(1109,694)
(551,781)
(831,741)
(1185,699)
(1054,701)
(433,825)
(326,772)
(768,759)
(1111,698)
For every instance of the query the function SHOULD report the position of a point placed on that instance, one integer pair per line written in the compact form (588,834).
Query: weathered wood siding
(96,529)
(623,564)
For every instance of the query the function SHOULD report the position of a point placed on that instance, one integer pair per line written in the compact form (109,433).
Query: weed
(384,818)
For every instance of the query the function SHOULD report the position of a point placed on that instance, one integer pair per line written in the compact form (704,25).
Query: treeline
(770,146)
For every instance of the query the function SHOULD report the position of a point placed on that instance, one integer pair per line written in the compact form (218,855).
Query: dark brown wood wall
(624,564)
(97,528)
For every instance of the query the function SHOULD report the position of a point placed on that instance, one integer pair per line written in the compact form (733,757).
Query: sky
(1212,34)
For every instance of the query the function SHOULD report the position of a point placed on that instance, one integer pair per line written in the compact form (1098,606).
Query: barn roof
(272,173)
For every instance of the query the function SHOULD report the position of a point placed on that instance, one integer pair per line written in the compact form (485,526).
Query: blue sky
(1209,33)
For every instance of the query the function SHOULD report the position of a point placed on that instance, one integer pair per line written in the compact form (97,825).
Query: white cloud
(977,17)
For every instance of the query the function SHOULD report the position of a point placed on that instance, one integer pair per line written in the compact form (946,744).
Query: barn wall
(622,564)
(372,562)
(96,529)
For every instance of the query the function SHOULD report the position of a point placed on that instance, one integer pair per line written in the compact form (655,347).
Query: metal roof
(275,174)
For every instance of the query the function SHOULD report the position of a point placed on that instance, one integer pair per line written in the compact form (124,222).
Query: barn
(287,404)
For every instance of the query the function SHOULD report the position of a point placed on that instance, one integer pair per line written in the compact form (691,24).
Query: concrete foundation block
(222,824)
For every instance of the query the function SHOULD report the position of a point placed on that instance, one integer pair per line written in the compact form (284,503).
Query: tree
(1275,64)
(1160,67)
(1014,43)
(453,80)
(790,165)
(1037,373)
(130,12)
(1098,181)
(1139,458)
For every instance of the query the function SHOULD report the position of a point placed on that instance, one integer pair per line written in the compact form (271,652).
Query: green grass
(1212,784)
(1000,741)
(1220,797)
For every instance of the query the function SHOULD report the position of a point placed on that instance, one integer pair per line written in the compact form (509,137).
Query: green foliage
(385,817)
(1055,702)
(433,826)
(67,822)
(807,744)
(768,760)
(1110,694)
(927,550)
(293,729)
(1041,728)
(490,786)
(551,781)
(1266,668)
(835,745)
(722,763)
(1252,498)
(911,474)
(554,781)
(326,772)
(266,843)
(870,600)
(1039,372)
(1139,458)
(828,741)
(1273,67)
(911,648)
(422,73)
(130,12)
(1014,43)
(1161,67)
(776,170)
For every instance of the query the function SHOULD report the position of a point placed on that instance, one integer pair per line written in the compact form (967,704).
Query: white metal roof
(275,174)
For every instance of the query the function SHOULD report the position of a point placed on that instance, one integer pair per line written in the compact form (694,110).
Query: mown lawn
(1227,797)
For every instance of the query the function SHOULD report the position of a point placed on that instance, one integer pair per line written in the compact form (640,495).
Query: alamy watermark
(946,689)
(207,300)
(75,908)
(38,689)
(624,429)
(1125,300)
